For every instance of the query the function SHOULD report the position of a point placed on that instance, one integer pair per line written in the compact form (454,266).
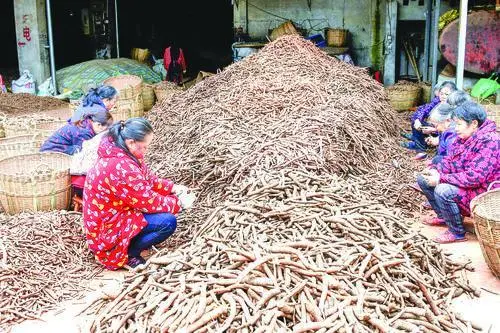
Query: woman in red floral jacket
(127,209)
(472,163)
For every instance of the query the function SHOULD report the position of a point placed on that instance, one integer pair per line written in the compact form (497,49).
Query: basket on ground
(493,112)
(336,37)
(148,96)
(166,90)
(286,28)
(403,96)
(26,126)
(129,103)
(21,145)
(485,210)
(35,182)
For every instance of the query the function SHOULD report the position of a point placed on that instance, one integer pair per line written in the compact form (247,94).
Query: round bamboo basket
(336,37)
(35,182)
(426,92)
(485,210)
(140,55)
(166,90)
(21,145)
(286,28)
(493,112)
(32,126)
(403,97)
(148,96)
(129,103)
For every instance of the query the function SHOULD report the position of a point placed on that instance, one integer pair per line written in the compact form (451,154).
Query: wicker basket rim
(24,178)
(22,138)
(478,200)
(124,81)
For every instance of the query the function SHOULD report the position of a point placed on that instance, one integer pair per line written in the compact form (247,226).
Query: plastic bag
(485,87)
(25,84)
(159,68)
(46,88)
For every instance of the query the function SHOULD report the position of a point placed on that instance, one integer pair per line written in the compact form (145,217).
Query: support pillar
(391,22)
(31,38)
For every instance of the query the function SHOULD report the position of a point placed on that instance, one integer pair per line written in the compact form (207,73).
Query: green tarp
(80,77)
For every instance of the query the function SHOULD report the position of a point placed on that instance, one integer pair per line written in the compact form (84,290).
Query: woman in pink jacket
(471,165)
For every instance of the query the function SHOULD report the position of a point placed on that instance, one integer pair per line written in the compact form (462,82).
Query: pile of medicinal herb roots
(290,105)
(44,260)
(292,251)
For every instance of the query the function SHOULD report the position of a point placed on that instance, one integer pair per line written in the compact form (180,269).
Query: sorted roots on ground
(44,260)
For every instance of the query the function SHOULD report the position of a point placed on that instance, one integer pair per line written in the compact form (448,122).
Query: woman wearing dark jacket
(91,118)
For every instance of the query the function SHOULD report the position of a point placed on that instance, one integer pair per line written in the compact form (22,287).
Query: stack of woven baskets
(129,103)
(166,90)
(29,180)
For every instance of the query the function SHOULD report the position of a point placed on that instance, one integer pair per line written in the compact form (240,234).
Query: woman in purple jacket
(419,118)
(69,138)
(471,164)
(91,118)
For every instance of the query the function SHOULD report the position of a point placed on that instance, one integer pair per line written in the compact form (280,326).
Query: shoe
(449,237)
(426,205)
(420,156)
(407,136)
(416,187)
(133,262)
(433,221)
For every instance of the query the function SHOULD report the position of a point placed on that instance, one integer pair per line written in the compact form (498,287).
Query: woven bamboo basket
(286,28)
(336,37)
(485,210)
(148,96)
(31,127)
(166,90)
(21,145)
(35,182)
(493,111)
(425,96)
(140,55)
(129,103)
(403,97)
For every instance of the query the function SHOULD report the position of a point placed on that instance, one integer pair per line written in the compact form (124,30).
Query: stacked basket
(129,103)
(21,144)
(148,96)
(164,91)
(35,182)
(485,210)
(403,96)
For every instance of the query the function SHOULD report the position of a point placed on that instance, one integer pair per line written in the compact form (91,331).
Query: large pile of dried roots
(290,105)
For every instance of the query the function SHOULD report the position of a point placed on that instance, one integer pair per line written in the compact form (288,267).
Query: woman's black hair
(134,128)
(101,117)
(470,111)
(96,95)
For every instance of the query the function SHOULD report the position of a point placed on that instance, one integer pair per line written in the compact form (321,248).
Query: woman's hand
(432,141)
(431,176)
(186,200)
(179,189)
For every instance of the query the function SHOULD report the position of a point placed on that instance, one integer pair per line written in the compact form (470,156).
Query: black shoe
(133,262)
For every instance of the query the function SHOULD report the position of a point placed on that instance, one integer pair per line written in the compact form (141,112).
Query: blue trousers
(442,201)
(419,137)
(437,159)
(160,227)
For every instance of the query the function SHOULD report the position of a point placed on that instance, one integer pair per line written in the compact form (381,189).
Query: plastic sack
(485,87)
(46,88)
(25,84)
(159,68)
